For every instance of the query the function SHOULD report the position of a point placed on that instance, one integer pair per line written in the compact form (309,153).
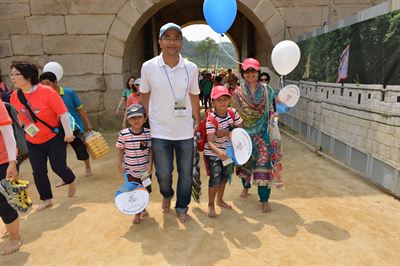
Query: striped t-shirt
(223,123)
(136,148)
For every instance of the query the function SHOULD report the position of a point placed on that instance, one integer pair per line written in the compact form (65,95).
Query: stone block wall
(366,117)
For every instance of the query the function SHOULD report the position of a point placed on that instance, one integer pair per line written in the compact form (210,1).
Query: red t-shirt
(132,99)
(4,120)
(47,104)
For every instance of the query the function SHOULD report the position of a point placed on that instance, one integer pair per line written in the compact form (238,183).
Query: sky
(198,32)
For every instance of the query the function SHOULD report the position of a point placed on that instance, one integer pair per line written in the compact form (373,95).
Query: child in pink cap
(219,124)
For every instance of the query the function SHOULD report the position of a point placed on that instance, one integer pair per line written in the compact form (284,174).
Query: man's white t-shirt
(183,79)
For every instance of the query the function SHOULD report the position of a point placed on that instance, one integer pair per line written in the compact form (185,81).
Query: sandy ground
(327,215)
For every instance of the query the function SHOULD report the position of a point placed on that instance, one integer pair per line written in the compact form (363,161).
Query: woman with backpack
(45,118)
(253,102)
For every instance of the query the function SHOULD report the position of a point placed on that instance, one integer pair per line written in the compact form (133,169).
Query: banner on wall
(373,58)
(344,64)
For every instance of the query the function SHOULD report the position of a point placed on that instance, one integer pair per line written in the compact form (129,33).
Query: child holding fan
(134,151)
(219,124)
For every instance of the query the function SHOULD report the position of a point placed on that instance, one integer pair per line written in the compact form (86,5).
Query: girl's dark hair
(127,82)
(28,70)
(48,75)
(265,74)
(242,72)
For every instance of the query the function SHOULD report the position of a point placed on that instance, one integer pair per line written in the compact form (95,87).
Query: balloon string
(220,44)
(216,64)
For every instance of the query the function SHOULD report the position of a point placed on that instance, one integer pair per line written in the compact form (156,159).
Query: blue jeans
(163,156)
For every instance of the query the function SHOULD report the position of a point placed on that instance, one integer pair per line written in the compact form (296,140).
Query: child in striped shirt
(134,150)
(218,125)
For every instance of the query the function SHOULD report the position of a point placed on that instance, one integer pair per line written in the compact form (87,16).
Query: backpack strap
(231,114)
(213,121)
(11,113)
(24,101)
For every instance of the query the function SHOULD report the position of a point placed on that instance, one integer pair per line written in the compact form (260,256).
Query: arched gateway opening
(133,36)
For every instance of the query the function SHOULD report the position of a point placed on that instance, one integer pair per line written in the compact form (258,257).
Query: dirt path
(326,215)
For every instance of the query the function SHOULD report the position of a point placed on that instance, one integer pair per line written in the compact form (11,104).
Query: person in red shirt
(133,98)
(41,123)
(8,169)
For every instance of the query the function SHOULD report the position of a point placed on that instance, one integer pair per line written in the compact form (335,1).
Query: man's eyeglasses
(263,79)
(14,74)
(171,38)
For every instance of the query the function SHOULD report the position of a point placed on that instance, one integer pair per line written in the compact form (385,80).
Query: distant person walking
(130,88)
(78,112)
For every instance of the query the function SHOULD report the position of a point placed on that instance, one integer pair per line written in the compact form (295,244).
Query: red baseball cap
(251,63)
(219,91)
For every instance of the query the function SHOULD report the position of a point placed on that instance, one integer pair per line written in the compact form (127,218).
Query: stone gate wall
(89,37)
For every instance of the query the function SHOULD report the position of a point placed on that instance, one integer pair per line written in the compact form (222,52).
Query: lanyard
(31,92)
(170,85)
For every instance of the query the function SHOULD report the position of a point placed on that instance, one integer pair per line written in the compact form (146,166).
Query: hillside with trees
(206,53)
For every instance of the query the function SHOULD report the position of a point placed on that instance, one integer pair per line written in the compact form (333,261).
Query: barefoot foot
(43,205)
(71,189)
(265,208)
(211,212)
(245,193)
(224,205)
(166,205)
(4,233)
(11,246)
(183,217)
(88,172)
(137,219)
(144,213)
(62,183)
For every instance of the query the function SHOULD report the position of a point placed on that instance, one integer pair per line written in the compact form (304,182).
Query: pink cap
(219,91)
(251,63)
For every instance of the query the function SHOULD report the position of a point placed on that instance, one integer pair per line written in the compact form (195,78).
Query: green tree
(207,49)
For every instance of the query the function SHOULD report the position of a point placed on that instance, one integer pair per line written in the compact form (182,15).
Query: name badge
(31,130)
(227,162)
(180,107)
(145,177)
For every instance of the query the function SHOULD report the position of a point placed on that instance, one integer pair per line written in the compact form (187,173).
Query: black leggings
(55,150)
(7,213)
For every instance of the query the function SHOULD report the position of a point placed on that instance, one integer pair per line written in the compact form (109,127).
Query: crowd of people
(161,117)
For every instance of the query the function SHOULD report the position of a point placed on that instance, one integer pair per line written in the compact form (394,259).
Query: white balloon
(54,68)
(285,57)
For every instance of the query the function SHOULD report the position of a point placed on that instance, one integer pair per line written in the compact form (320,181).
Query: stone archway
(141,19)
(134,14)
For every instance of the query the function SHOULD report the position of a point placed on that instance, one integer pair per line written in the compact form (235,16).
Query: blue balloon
(220,14)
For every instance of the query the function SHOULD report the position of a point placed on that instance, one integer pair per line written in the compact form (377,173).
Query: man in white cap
(169,91)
